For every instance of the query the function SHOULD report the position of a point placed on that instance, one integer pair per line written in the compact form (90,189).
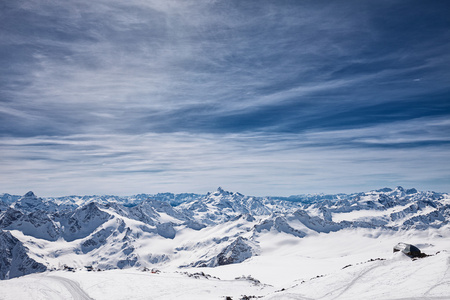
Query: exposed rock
(408,249)
(14,259)
(236,252)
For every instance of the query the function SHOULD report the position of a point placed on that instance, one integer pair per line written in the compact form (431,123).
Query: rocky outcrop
(236,252)
(14,259)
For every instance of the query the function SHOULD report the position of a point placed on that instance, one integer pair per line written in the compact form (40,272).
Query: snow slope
(129,284)
(397,277)
(361,268)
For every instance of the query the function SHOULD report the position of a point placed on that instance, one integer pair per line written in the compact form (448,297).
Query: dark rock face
(14,260)
(9,217)
(166,230)
(408,249)
(236,252)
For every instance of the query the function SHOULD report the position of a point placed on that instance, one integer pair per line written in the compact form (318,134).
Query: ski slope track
(225,244)
(73,287)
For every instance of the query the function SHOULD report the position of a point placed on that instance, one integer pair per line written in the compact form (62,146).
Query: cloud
(181,92)
(252,163)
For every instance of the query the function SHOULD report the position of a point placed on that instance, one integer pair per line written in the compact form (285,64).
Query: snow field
(348,264)
(124,284)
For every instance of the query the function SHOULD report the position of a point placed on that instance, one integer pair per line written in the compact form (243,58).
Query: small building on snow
(408,249)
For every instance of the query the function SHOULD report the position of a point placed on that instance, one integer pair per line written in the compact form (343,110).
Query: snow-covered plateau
(225,245)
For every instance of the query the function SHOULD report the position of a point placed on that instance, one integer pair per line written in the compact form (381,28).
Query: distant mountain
(190,230)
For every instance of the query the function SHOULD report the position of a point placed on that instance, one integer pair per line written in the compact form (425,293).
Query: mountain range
(190,230)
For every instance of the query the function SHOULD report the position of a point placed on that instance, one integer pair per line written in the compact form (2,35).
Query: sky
(259,97)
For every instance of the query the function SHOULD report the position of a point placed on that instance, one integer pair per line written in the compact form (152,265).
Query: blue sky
(260,97)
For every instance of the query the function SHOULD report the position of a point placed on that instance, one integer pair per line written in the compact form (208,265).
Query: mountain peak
(29,202)
(30,194)
(221,191)
(411,191)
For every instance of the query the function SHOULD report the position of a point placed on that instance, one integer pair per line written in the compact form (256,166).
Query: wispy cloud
(255,163)
(267,95)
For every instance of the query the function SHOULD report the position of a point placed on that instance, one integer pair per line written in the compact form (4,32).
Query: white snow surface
(288,268)
(230,245)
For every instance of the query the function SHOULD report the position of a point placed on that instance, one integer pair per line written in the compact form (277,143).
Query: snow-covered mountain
(190,230)
(14,259)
